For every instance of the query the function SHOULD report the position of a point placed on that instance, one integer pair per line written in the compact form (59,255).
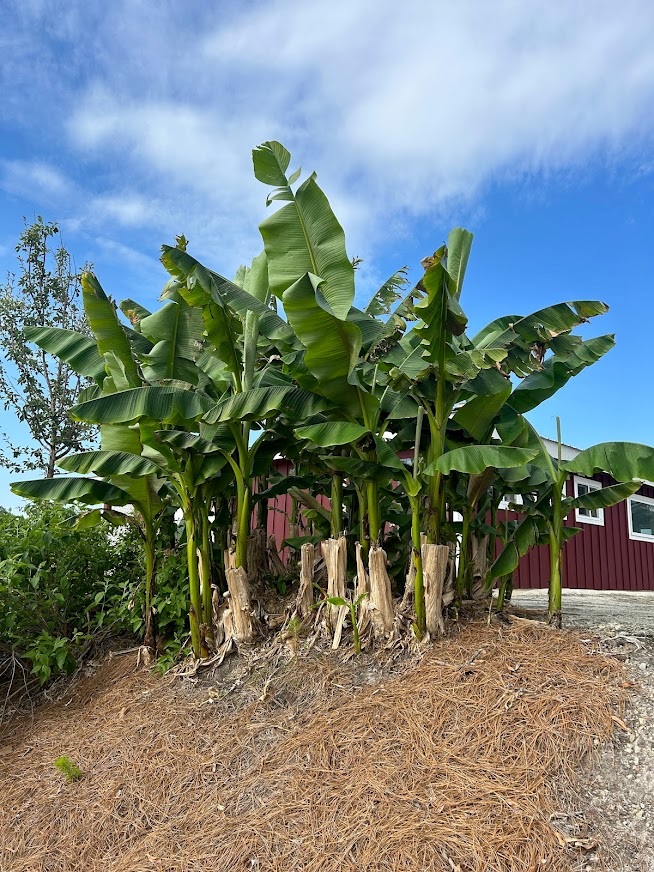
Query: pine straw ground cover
(455,762)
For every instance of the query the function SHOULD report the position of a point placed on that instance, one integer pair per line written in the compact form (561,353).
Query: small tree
(37,387)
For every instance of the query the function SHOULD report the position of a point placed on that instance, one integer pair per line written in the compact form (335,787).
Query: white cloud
(33,177)
(124,208)
(405,109)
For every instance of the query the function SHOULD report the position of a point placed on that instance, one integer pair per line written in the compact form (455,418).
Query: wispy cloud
(404,108)
(33,177)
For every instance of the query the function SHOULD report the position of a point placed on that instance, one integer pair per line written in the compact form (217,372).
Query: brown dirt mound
(453,764)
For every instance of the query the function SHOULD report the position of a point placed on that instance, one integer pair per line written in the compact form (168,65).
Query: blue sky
(530,124)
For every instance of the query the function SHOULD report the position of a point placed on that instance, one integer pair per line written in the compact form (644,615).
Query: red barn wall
(598,558)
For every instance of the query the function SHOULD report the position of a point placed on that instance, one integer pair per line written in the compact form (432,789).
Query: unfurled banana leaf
(388,293)
(79,351)
(557,371)
(623,461)
(332,345)
(201,287)
(303,236)
(109,463)
(159,403)
(176,333)
(331,433)
(474,459)
(602,498)
(478,414)
(260,403)
(109,333)
(63,489)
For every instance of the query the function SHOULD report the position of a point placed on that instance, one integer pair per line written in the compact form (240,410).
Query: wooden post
(434,562)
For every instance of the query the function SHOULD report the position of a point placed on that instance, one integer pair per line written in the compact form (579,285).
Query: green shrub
(59,585)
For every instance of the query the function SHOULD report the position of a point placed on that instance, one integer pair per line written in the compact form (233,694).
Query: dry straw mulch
(454,763)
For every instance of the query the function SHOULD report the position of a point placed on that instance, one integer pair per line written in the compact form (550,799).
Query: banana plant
(543,514)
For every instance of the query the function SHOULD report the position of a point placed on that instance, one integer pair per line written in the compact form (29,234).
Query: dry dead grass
(452,764)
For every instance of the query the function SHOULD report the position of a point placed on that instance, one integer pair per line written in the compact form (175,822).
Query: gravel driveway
(615,803)
(632,611)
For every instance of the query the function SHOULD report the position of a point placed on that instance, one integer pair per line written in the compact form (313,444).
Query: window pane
(582,490)
(642,518)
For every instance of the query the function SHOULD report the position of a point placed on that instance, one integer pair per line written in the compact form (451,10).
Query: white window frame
(591,484)
(639,537)
(514,498)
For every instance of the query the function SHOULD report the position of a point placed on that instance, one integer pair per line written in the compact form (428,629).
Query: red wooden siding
(279,511)
(598,558)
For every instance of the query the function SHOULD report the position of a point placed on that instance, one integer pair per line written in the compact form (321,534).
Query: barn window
(640,513)
(588,516)
(516,499)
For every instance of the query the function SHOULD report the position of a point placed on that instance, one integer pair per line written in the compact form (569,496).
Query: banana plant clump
(399,433)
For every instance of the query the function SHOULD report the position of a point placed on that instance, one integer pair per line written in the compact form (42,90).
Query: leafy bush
(59,585)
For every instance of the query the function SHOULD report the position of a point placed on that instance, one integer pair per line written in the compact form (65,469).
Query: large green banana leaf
(201,287)
(182,440)
(557,371)
(604,497)
(109,333)
(332,433)
(109,463)
(332,345)
(79,351)
(63,489)
(623,461)
(540,326)
(459,243)
(474,459)
(260,403)
(477,415)
(160,403)
(303,236)
(176,332)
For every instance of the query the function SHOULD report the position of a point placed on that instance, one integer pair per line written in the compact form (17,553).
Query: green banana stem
(462,578)
(195,611)
(374,524)
(416,556)
(205,574)
(556,538)
(149,637)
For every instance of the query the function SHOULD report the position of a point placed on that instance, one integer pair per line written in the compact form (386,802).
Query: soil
(614,805)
